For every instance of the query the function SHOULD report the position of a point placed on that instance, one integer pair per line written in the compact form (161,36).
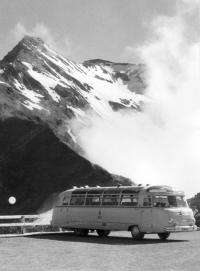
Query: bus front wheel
(163,235)
(136,233)
(103,233)
(81,232)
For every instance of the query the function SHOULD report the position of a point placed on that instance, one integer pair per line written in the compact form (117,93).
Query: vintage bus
(138,209)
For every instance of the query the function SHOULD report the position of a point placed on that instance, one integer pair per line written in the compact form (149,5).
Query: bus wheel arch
(81,232)
(103,233)
(135,232)
(163,235)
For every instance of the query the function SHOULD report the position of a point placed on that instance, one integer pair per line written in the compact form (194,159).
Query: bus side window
(110,199)
(160,201)
(65,200)
(77,200)
(129,200)
(93,200)
(172,201)
(147,202)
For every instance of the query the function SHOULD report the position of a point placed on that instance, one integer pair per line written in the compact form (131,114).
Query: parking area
(59,252)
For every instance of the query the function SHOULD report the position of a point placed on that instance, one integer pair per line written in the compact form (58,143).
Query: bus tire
(136,233)
(103,233)
(163,235)
(81,232)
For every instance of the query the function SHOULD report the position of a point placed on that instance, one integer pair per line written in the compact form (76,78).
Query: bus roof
(162,189)
(111,189)
(158,189)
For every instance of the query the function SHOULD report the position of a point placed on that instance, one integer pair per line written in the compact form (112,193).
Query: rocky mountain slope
(40,93)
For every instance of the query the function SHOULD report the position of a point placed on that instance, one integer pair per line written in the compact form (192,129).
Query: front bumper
(180,228)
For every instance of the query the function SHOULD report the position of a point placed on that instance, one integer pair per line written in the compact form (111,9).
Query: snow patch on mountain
(32,106)
(45,80)
(57,90)
(4,83)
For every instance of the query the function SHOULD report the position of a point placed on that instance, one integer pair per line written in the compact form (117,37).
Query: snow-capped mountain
(36,82)
(40,92)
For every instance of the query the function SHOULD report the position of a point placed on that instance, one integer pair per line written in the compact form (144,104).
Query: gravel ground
(59,252)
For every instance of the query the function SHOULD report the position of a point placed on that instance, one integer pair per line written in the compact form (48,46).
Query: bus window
(129,200)
(177,201)
(130,191)
(77,200)
(147,202)
(112,191)
(93,200)
(110,199)
(95,192)
(172,201)
(79,191)
(181,201)
(169,201)
(160,201)
(65,200)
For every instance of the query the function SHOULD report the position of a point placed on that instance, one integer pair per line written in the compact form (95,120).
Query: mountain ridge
(53,88)
(41,89)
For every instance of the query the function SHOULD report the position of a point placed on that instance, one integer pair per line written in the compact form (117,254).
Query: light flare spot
(12,200)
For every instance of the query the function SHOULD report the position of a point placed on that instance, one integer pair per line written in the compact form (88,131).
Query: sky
(162,143)
(82,29)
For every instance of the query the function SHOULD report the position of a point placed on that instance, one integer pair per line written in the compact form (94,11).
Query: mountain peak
(27,44)
(30,40)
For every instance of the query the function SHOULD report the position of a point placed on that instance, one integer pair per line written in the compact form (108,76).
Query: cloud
(191,3)
(161,144)
(58,42)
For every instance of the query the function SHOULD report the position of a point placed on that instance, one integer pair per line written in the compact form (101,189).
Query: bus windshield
(169,201)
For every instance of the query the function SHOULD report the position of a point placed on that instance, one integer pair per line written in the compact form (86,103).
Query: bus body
(139,209)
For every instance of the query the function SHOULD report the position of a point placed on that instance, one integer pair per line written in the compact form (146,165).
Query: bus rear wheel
(136,233)
(163,235)
(81,232)
(103,233)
